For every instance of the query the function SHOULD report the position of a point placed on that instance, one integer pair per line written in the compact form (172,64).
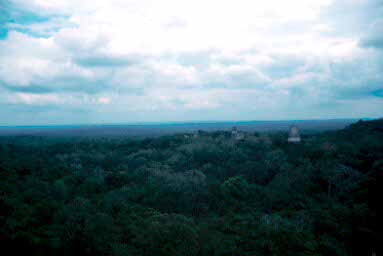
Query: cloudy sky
(121,61)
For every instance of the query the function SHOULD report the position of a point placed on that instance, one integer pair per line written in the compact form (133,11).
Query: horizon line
(182,122)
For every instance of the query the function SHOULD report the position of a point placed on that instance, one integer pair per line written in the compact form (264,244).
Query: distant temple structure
(294,135)
(234,131)
(237,135)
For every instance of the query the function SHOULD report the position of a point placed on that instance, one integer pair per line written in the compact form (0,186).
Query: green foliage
(186,195)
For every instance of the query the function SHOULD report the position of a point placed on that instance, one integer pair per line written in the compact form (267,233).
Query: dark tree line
(181,195)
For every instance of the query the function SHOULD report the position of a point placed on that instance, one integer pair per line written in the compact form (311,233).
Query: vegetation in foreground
(180,195)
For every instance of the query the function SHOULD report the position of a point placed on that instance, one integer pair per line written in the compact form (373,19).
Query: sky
(124,61)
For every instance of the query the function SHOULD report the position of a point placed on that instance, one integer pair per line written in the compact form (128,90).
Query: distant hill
(366,126)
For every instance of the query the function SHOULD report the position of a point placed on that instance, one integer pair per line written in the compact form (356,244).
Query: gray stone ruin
(234,131)
(294,135)
(193,135)
(237,135)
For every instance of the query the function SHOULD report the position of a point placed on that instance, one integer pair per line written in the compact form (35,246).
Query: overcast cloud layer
(117,61)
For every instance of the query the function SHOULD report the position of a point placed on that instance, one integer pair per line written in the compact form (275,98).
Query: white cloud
(104,100)
(374,37)
(35,99)
(187,55)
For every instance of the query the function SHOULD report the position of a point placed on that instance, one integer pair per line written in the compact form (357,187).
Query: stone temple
(294,135)
(237,135)
(234,131)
